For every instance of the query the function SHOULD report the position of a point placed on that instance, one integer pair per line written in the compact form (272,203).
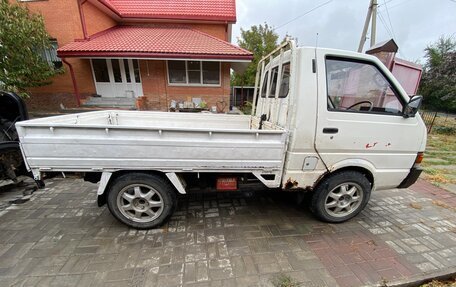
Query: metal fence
(429,119)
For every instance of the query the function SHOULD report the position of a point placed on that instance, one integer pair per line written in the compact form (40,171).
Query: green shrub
(444,130)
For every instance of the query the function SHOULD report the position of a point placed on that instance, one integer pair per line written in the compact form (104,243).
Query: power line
(397,4)
(384,25)
(389,19)
(385,2)
(302,15)
(389,32)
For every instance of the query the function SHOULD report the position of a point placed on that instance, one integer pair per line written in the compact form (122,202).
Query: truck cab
(345,112)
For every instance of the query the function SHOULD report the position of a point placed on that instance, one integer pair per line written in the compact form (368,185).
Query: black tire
(326,207)
(125,184)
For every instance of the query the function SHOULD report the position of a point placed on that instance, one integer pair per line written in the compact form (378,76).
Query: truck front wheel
(141,200)
(341,196)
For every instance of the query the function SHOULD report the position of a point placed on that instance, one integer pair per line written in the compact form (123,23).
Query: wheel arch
(362,166)
(107,178)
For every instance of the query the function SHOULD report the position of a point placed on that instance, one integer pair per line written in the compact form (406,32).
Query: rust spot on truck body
(291,183)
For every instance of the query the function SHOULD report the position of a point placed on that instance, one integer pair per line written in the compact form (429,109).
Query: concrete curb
(420,279)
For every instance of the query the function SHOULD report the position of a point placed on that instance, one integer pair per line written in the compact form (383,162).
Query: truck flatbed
(169,142)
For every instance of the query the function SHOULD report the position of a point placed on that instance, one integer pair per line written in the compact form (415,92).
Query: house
(115,51)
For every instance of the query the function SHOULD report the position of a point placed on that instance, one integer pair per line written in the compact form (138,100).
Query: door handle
(330,130)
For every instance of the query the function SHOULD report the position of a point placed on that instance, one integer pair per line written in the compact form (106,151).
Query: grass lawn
(440,158)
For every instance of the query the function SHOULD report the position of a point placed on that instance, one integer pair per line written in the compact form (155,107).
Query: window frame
(281,80)
(50,53)
(265,82)
(274,73)
(187,84)
(123,71)
(393,87)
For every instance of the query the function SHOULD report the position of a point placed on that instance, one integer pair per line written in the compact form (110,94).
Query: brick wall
(159,94)
(51,101)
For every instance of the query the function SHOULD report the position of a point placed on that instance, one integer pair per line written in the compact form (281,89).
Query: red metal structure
(407,73)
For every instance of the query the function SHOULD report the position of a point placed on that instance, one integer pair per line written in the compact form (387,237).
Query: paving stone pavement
(61,238)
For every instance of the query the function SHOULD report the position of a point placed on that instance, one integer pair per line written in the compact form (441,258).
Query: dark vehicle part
(93,177)
(12,107)
(12,110)
(414,173)
(10,160)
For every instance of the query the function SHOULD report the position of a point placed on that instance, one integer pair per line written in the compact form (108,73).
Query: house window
(50,55)
(194,73)
(211,73)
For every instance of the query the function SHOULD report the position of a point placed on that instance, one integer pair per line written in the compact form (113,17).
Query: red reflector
(419,158)
(226,183)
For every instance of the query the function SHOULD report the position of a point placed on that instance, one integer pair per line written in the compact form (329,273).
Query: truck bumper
(412,177)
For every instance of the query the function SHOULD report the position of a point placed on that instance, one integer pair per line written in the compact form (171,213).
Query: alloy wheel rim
(344,199)
(140,203)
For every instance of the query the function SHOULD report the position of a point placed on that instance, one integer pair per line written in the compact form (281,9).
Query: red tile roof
(206,10)
(154,41)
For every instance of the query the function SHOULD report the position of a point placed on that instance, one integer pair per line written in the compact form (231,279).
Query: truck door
(360,120)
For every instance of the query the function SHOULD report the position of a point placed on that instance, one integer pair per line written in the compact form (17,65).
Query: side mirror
(412,107)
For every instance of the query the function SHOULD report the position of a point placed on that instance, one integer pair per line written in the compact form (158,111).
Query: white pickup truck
(334,123)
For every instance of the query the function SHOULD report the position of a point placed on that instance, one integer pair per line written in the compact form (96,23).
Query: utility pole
(370,17)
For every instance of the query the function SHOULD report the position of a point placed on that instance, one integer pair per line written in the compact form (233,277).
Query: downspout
(73,78)
(81,15)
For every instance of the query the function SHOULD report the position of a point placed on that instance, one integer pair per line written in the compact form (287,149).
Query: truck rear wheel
(341,196)
(141,200)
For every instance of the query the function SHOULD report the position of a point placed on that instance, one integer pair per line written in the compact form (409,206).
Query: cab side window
(285,83)
(359,87)
(265,85)
(274,76)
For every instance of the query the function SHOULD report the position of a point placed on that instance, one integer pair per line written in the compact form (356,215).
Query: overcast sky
(415,23)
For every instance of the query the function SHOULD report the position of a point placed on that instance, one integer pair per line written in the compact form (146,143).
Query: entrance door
(360,119)
(119,78)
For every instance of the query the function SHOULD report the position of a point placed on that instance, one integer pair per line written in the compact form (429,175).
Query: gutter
(73,78)
(145,55)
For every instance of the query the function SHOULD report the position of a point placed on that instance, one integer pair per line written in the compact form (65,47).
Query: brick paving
(61,238)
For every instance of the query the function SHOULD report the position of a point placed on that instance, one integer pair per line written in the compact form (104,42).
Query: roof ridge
(98,34)
(111,7)
(156,25)
(222,41)
(224,11)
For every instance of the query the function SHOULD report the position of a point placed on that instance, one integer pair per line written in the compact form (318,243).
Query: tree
(260,40)
(23,38)
(438,85)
